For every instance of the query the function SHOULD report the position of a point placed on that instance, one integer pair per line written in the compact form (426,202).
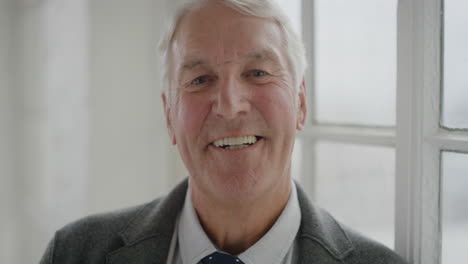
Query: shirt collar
(193,242)
(271,248)
(275,244)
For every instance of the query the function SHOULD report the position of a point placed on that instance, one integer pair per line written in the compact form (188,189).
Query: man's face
(231,86)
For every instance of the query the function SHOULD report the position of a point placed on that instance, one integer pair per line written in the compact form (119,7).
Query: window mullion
(418,158)
(447,140)
(351,134)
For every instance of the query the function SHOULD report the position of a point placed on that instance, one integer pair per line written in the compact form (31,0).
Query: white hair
(258,8)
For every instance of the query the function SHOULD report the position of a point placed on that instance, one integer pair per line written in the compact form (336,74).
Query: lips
(233,143)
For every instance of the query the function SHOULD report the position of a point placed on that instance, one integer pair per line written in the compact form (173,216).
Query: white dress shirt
(190,243)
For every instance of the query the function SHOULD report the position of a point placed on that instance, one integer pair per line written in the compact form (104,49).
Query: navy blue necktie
(221,258)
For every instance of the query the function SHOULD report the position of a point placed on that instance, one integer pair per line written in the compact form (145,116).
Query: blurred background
(82,128)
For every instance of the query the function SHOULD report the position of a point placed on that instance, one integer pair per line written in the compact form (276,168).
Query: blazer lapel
(148,236)
(152,251)
(321,239)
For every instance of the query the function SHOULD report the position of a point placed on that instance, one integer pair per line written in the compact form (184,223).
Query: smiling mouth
(234,143)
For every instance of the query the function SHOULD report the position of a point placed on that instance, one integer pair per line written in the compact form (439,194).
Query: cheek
(191,112)
(278,107)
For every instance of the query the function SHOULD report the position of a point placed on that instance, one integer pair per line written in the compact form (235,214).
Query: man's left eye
(200,80)
(257,73)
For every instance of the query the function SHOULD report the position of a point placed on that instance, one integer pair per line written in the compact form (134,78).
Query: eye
(200,80)
(256,73)
(259,73)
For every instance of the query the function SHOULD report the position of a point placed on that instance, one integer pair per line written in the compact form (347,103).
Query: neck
(237,225)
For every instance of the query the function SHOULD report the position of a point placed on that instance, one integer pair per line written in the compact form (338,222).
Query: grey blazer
(143,234)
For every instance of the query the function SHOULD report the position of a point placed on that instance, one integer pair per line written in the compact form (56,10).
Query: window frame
(418,137)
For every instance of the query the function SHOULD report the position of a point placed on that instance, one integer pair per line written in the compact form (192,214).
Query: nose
(232,99)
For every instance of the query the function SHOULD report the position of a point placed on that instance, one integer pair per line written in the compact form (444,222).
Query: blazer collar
(320,238)
(148,236)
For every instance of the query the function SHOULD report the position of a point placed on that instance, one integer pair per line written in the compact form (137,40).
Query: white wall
(129,142)
(49,120)
(7,228)
(81,123)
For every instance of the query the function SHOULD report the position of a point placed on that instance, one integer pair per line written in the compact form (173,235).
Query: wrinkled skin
(230,76)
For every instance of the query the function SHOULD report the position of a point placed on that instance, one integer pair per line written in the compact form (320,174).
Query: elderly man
(234,100)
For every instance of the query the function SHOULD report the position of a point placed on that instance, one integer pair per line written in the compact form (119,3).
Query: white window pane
(454,208)
(455,91)
(356,184)
(355,67)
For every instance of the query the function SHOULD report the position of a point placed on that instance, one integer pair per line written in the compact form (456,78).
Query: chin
(240,185)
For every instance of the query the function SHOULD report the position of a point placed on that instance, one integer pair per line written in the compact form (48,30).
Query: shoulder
(104,224)
(93,238)
(366,250)
(87,240)
(322,237)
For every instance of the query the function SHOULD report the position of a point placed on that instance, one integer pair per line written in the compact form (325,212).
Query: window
(454,207)
(370,60)
(354,62)
(349,147)
(357,192)
(455,65)
(454,118)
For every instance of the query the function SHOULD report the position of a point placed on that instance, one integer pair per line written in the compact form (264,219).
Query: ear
(167,114)
(301,106)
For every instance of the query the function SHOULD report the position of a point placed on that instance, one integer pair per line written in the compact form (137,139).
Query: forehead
(220,33)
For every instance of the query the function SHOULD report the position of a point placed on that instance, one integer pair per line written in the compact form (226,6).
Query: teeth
(237,146)
(235,142)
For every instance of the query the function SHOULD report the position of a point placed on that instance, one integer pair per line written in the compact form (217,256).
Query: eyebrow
(262,55)
(259,55)
(192,64)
